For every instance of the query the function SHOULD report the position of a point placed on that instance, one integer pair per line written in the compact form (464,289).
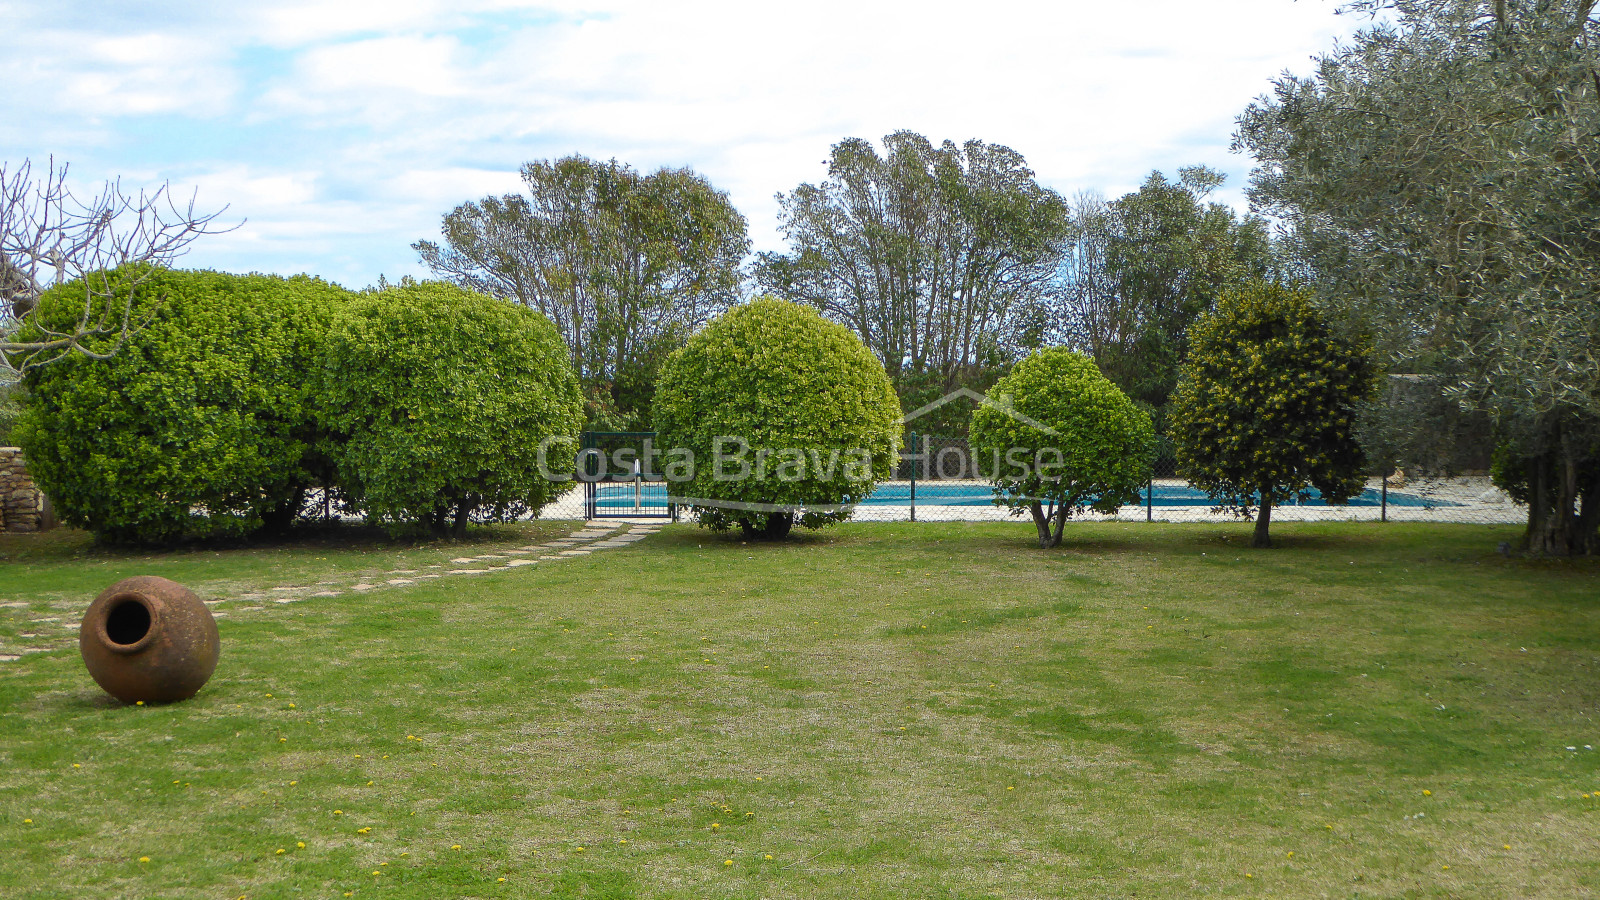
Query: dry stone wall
(21,504)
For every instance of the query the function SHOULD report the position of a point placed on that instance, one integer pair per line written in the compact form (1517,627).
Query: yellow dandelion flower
(338,812)
(716,824)
(769,856)
(144,859)
(291,706)
(138,703)
(455,846)
(579,850)
(1248,875)
(1447,867)
(283,740)
(293,783)
(300,845)
(280,851)
(500,880)
(1427,793)
(1508,846)
(1291,854)
(727,862)
(623,841)
(27,821)
(77,765)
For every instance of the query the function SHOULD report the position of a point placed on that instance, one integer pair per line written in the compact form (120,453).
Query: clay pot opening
(129,623)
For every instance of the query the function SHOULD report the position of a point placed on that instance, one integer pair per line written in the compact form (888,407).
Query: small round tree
(1057,435)
(195,425)
(445,404)
(1268,401)
(772,415)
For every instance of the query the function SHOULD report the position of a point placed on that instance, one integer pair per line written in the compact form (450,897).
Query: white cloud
(348,128)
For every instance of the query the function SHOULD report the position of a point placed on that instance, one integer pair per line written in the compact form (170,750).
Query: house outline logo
(1003,404)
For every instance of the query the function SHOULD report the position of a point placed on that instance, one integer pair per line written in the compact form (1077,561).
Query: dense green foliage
(1057,435)
(1439,176)
(1267,403)
(796,403)
(1140,269)
(441,400)
(199,426)
(934,256)
(626,266)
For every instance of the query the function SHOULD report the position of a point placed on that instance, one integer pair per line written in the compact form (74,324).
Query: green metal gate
(619,476)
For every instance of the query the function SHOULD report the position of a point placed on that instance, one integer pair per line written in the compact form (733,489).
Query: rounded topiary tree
(773,415)
(1267,403)
(198,425)
(1056,435)
(446,403)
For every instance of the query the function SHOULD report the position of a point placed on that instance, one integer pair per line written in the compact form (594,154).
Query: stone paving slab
(594,536)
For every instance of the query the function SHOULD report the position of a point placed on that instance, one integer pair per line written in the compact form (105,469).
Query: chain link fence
(939,479)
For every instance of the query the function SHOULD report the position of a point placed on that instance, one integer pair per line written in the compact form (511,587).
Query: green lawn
(928,711)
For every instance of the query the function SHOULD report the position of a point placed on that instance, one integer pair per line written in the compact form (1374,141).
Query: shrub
(796,403)
(444,401)
(198,425)
(1057,435)
(1268,401)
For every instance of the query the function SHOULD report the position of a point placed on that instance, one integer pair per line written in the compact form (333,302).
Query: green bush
(198,426)
(794,401)
(442,400)
(1056,435)
(1268,403)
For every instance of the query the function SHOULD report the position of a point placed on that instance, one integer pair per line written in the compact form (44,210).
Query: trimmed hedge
(1057,434)
(199,426)
(439,400)
(796,402)
(1267,403)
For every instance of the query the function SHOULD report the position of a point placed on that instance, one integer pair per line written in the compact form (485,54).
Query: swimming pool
(968,493)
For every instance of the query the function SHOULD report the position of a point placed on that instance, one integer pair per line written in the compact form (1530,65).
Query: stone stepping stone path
(593,537)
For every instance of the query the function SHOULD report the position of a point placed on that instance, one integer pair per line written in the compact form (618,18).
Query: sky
(339,132)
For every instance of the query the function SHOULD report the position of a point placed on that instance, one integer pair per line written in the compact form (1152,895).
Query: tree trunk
(1060,523)
(1263,519)
(778,526)
(458,529)
(1041,523)
(1554,526)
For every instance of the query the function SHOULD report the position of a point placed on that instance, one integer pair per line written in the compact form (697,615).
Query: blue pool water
(936,493)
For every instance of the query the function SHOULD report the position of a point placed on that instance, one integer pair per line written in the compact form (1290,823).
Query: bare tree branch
(106,244)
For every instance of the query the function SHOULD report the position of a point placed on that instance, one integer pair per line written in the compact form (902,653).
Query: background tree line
(950,262)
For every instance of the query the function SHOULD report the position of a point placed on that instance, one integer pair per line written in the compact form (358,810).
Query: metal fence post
(1150,499)
(1383,499)
(913,476)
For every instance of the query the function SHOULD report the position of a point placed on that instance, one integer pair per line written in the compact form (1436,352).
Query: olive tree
(1059,436)
(1267,403)
(1438,175)
(773,416)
